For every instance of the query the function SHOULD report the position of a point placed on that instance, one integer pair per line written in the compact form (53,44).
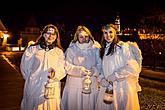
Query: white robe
(88,57)
(34,67)
(126,71)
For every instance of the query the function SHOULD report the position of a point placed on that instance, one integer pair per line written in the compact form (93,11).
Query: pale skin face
(83,37)
(50,36)
(109,34)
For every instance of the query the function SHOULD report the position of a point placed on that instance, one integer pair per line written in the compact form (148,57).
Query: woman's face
(109,34)
(50,36)
(83,37)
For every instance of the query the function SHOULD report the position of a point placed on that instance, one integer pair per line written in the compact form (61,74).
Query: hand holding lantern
(86,85)
(50,86)
(108,96)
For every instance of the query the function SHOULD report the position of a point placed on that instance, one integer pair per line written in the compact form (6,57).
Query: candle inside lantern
(87,85)
(108,96)
(50,86)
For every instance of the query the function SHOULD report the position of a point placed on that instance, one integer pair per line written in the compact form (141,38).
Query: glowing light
(5,36)
(30,43)
(17,48)
(9,62)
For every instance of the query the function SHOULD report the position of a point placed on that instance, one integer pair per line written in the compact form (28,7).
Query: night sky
(16,15)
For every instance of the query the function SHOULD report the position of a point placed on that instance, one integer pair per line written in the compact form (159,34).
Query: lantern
(50,86)
(86,85)
(50,89)
(108,95)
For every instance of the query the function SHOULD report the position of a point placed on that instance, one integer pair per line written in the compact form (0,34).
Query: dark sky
(16,15)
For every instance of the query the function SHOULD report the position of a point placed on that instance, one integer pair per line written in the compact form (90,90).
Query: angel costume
(34,67)
(86,55)
(123,69)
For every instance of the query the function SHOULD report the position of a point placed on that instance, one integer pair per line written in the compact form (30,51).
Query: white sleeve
(72,69)
(130,68)
(98,65)
(98,68)
(60,72)
(27,61)
(98,61)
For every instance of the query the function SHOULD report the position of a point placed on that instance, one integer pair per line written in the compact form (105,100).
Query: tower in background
(117,23)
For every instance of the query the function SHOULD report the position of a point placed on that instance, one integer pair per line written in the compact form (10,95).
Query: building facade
(31,32)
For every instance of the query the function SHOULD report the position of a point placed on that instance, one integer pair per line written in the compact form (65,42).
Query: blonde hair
(78,30)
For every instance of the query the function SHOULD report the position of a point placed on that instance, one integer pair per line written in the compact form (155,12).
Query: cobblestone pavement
(152,96)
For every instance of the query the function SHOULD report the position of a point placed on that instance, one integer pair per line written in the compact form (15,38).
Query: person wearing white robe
(121,69)
(82,51)
(36,62)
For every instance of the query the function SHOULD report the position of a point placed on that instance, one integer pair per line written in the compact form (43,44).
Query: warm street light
(5,36)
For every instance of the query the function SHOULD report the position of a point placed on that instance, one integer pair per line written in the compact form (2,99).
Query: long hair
(79,29)
(41,39)
(112,45)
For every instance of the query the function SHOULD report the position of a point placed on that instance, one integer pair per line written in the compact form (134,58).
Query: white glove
(104,83)
(85,71)
(95,72)
(110,87)
(111,77)
(100,77)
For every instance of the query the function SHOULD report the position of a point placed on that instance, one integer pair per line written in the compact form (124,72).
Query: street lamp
(5,36)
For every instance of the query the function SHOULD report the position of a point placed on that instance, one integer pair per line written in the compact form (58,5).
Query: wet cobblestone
(151,98)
